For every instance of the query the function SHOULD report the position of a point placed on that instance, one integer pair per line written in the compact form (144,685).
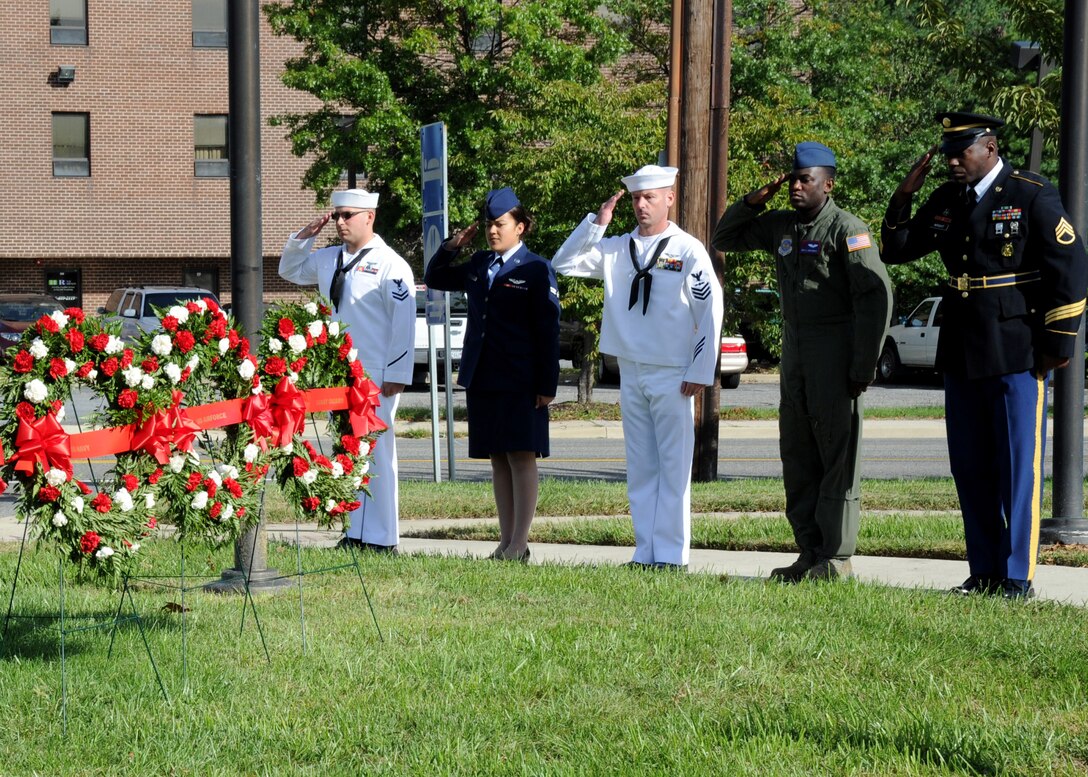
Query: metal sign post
(435,229)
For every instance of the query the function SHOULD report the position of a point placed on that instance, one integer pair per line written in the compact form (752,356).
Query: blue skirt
(505,421)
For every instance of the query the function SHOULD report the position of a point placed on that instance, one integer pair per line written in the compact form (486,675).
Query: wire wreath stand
(63,617)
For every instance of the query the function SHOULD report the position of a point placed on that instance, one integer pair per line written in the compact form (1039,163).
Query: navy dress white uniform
(379,308)
(662,321)
(511,349)
(1015,295)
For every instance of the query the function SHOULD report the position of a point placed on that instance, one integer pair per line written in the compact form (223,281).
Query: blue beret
(812,154)
(500,201)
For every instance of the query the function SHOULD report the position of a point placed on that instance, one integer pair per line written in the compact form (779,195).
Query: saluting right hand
(461,239)
(765,193)
(915,178)
(604,214)
(313,227)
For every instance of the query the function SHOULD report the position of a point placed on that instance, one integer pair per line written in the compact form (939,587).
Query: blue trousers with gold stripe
(996,435)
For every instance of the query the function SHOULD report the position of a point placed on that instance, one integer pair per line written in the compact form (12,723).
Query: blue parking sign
(435,207)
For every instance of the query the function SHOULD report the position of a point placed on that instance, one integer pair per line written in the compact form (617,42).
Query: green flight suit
(836,300)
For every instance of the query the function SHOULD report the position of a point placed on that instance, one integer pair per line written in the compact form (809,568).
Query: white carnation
(104,552)
(274,345)
(309,476)
(337,469)
(292,377)
(357,482)
(77,503)
(149,500)
(227,471)
(60,318)
(173,372)
(38,349)
(179,312)
(60,519)
(363,467)
(161,345)
(200,500)
(311,308)
(92,376)
(147,383)
(297,343)
(133,376)
(314,328)
(123,499)
(228,511)
(35,391)
(200,303)
(224,345)
(70,366)
(61,412)
(193,363)
(353,354)
(114,345)
(177,462)
(364,447)
(251,452)
(246,369)
(56,477)
(334,328)
(330,505)
(215,477)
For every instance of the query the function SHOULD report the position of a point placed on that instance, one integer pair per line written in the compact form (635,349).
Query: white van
(458,317)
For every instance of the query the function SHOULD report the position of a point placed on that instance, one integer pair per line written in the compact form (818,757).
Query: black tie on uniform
(336,287)
(642,274)
(969,199)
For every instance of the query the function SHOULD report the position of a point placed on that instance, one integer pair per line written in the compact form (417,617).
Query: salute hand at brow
(313,227)
(915,178)
(765,193)
(461,239)
(604,214)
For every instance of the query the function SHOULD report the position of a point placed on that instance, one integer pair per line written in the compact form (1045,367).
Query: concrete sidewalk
(1068,585)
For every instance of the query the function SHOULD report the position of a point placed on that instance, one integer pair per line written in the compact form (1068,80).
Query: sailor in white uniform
(662,320)
(373,293)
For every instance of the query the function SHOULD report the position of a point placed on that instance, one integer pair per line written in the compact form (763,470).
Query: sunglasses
(343,214)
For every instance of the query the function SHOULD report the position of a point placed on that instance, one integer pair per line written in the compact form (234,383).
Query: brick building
(113,159)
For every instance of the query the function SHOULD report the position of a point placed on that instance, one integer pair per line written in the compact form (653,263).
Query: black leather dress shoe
(1017,589)
(389,549)
(348,542)
(977,585)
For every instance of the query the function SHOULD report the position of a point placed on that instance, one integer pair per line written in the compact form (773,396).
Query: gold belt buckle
(962,283)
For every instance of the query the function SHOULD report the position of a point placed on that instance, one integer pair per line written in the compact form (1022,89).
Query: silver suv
(135,305)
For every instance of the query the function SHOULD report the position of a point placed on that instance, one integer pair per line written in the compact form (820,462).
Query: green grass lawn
(502,669)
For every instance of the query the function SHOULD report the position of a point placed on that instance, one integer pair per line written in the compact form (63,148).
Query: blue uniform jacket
(1018,235)
(512,339)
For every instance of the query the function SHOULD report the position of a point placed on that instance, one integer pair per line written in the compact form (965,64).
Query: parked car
(912,342)
(19,311)
(571,341)
(135,305)
(458,318)
(734,361)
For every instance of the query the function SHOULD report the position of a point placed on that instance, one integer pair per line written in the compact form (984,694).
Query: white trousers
(659,439)
(375,521)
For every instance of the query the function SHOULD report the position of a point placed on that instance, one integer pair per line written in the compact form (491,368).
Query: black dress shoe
(388,549)
(636,565)
(1017,589)
(977,585)
(348,542)
(670,567)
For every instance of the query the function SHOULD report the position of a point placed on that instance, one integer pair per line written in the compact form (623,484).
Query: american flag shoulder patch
(858,242)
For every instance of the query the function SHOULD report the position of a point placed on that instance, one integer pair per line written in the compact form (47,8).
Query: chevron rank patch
(400,292)
(858,242)
(701,288)
(1064,232)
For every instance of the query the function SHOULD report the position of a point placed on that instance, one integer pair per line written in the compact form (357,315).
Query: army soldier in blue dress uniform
(510,358)
(1012,308)
(836,299)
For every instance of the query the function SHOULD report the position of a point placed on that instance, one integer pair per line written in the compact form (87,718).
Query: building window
(71,145)
(210,146)
(68,22)
(210,24)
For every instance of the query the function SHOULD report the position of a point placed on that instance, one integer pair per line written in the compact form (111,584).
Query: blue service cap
(500,201)
(812,154)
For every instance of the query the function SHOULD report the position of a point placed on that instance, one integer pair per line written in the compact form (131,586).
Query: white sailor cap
(650,177)
(355,198)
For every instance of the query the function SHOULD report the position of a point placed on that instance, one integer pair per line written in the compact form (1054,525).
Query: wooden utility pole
(698,132)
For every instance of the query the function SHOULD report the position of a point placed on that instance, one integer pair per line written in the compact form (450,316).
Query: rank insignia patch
(1064,233)
(785,247)
(858,242)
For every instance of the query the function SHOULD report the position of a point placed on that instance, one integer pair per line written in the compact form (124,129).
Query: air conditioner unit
(66,74)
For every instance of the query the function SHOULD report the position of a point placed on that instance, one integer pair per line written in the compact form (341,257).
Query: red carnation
(127,356)
(110,366)
(352,506)
(212,305)
(215,509)
(186,373)
(323,337)
(85,370)
(150,364)
(76,340)
(153,478)
(286,328)
(102,503)
(311,503)
(192,307)
(48,493)
(57,368)
(25,412)
(240,512)
(100,341)
(127,399)
(322,461)
(275,365)
(301,467)
(170,323)
(232,337)
(47,324)
(210,486)
(234,487)
(193,482)
(24,362)
(3,486)
(218,328)
(83,487)
(310,449)
(324,309)
(346,463)
(366,480)
(351,444)
(356,369)
(185,341)
(89,543)
(76,314)
(309,340)
(152,522)
(131,483)
(243,347)
(298,364)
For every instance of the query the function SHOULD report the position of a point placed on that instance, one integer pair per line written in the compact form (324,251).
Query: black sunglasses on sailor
(343,214)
